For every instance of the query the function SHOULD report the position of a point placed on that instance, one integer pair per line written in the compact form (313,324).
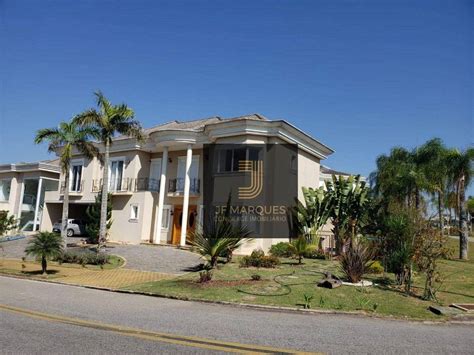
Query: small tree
(400,229)
(7,223)
(430,248)
(93,218)
(45,246)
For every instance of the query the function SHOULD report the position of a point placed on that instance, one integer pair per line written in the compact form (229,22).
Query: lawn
(288,284)
(55,269)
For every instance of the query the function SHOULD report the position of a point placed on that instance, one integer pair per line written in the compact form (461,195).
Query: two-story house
(156,186)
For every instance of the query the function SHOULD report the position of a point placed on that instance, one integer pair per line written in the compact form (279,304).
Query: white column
(38,198)
(161,196)
(187,184)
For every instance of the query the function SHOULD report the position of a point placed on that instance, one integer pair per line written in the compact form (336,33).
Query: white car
(74,227)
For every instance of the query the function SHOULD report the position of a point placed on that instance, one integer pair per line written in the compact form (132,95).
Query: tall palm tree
(65,138)
(432,160)
(109,120)
(398,177)
(461,173)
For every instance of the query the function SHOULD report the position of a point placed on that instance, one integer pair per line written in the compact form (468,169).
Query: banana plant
(350,198)
(313,213)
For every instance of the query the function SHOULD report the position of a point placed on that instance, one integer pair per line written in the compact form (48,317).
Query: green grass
(288,284)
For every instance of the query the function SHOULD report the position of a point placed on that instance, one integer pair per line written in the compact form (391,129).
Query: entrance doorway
(178,220)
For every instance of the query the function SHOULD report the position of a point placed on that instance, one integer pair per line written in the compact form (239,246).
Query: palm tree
(398,178)
(461,173)
(109,120)
(432,160)
(67,137)
(45,245)
(217,238)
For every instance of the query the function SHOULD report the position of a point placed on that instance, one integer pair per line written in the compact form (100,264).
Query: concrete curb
(267,308)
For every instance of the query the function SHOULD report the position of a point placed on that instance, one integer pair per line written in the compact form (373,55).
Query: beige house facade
(156,186)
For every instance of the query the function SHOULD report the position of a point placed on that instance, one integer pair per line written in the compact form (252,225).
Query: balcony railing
(146,184)
(128,185)
(73,187)
(177,186)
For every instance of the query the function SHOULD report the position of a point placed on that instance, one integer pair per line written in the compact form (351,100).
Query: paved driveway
(156,258)
(139,257)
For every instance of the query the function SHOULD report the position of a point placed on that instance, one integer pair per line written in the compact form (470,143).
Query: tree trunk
(43,264)
(105,195)
(65,209)
(440,212)
(417,198)
(337,238)
(463,230)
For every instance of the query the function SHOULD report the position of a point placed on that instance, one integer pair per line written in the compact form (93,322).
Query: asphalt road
(38,317)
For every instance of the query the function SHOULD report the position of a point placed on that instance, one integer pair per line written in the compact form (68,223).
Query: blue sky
(361,76)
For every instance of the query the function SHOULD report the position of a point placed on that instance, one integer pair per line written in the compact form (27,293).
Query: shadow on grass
(39,272)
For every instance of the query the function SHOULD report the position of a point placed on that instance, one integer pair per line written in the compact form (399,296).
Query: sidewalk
(78,275)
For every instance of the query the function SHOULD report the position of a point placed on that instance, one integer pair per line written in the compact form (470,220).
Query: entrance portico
(177,186)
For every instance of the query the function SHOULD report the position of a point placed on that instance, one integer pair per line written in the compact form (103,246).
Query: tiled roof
(198,125)
(329,171)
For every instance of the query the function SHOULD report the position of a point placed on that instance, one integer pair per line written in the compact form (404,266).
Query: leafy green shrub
(315,254)
(7,222)
(256,277)
(83,258)
(281,250)
(259,259)
(375,268)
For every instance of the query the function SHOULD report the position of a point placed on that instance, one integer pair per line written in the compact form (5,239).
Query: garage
(53,212)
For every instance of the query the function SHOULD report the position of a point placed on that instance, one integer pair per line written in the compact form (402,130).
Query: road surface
(38,317)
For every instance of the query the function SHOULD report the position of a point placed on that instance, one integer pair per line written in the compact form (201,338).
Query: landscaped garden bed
(291,285)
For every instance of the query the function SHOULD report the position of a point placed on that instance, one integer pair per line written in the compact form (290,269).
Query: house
(22,190)
(157,187)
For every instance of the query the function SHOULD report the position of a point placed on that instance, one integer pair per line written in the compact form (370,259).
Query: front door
(178,220)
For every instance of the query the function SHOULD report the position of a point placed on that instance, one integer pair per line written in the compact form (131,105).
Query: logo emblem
(255,168)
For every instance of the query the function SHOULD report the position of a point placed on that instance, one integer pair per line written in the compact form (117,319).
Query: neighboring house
(22,190)
(151,200)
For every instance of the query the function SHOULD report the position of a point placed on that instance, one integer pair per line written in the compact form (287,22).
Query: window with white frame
(116,169)
(5,186)
(134,211)
(75,184)
(165,221)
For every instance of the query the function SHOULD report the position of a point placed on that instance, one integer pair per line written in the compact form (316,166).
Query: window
(5,186)
(165,221)
(228,159)
(134,210)
(76,176)
(116,174)
(193,173)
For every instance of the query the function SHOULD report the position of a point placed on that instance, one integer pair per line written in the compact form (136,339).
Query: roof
(200,124)
(327,170)
(44,165)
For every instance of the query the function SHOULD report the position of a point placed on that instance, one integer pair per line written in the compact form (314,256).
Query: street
(38,317)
